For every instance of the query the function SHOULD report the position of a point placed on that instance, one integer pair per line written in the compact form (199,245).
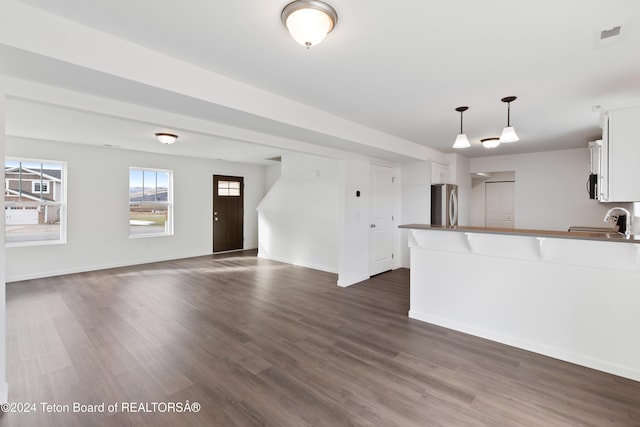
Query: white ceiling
(401,70)
(48,122)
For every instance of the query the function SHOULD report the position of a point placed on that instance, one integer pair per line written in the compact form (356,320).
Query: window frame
(37,204)
(229,187)
(169,203)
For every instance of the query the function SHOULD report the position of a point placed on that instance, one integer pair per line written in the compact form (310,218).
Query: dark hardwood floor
(256,342)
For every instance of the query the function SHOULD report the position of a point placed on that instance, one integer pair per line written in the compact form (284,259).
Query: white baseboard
(535,347)
(299,264)
(234,250)
(84,269)
(348,282)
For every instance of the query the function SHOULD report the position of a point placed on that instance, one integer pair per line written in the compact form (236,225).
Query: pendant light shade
(461,139)
(509,133)
(490,142)
(166,138)
(309,21)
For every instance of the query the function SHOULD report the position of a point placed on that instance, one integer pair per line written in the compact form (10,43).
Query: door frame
(214,191)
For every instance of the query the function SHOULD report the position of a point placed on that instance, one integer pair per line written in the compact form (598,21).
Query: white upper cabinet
(622,142)
(440,174)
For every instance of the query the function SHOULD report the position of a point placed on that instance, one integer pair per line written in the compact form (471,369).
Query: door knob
(373,226)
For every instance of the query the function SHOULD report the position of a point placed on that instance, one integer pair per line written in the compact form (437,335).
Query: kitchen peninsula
(570,295)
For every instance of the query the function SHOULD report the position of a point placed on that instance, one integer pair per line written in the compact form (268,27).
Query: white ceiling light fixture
(461,139)
(492,142)
(509,133)
(309,21)
(166,138)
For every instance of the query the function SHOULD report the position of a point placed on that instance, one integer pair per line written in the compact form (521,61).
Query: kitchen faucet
(627,232)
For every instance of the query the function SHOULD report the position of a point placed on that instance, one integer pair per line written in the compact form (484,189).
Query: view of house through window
(34,194)
(150,202)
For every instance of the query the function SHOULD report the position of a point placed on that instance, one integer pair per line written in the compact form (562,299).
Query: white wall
(550,191)
(4,389)
(416,200)
(300,221)
(98,212)
(271,175)
(354,253)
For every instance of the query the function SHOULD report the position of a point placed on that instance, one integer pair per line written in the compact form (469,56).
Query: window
(150,202)
(40,187)
(228,188)
(35,202)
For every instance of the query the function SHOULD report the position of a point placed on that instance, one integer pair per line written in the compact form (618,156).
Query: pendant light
(461,139)
(309,21)
(509,133)
(490,142)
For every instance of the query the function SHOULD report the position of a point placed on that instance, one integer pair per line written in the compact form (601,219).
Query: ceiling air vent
(612,32)
(609,36)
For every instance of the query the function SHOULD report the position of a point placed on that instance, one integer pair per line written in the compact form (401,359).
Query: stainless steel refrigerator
(444,205)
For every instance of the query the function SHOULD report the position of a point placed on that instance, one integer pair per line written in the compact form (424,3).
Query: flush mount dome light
(490,142)
(309,21)
(166,138)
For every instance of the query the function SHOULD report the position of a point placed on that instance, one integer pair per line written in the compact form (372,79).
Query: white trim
(232,250)
(97,267)
(346,283)
(145,235)
(288,261)
(62,272)
(150,169)
(535,347)
(62,202)
(169,227)
(269,193)
(34,243)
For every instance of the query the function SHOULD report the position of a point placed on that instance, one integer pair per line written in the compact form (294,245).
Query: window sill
(142,236)
(34,243)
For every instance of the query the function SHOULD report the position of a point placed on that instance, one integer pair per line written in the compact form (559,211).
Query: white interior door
(499,204)
(381,220)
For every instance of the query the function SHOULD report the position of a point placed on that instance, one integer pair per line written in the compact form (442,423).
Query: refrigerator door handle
(453,208)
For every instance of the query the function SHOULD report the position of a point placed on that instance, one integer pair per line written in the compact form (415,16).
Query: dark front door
(228,213)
